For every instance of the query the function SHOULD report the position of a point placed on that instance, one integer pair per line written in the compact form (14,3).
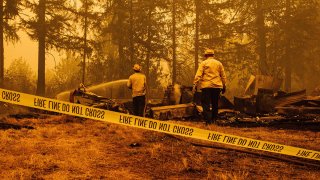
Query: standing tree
(288,68)
(9,9)
(263,66)
(87,18)
(196,41)
(52,26)
(138,30)
(41,28)
(174,44)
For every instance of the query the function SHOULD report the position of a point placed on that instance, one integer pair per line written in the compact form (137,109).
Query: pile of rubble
(180,103)
(266,98)
(262,99)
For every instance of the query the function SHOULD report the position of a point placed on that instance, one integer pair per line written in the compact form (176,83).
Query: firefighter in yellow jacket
(211,79)
(137,82)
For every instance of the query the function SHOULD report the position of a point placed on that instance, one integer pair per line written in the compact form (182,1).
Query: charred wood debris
(262,104)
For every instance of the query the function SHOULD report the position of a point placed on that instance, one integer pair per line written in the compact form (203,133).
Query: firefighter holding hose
(138,84)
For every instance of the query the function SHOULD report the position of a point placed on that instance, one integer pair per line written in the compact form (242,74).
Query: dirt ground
(47,146)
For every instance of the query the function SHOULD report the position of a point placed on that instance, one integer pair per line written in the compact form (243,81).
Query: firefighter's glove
(194,89)
(223,89)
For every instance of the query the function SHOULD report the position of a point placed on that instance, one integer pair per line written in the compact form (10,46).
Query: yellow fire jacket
(137,82)
(210,74)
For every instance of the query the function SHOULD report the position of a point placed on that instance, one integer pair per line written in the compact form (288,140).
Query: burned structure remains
(262,97)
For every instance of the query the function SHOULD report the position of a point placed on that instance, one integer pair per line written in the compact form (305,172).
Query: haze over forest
(49,46)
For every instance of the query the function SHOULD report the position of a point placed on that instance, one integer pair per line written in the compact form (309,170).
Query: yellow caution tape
(150,124)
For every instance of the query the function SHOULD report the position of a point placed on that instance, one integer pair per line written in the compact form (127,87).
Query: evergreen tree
(9,10)
(54,25)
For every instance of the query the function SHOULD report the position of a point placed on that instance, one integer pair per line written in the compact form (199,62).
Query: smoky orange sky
(27,49)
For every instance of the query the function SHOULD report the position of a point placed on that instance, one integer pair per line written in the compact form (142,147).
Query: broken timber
(262,82)
(298,103)
(298,110)
(290,98)
(178,111)
(265,101)
(245,104)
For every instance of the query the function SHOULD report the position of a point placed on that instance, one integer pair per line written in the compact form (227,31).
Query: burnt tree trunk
(85,43)
(288,68)
(1,46)
(121,44)
(196,42)
(174,45)
(263,66)
(148,47)
(131,46)
(41,48)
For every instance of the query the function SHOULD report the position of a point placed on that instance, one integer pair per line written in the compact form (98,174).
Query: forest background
(96,41)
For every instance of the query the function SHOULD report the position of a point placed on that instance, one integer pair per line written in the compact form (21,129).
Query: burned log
(245,104)
(179,111)
(298,110)
(298,103)
(290,98)
(310,101)
(265,101)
